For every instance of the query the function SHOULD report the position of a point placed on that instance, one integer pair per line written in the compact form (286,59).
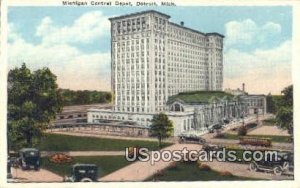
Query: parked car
(215,127)
(279,166)
(226,121)
(29,158)
(83,173)
(9,165)
(210,147)
(191,139)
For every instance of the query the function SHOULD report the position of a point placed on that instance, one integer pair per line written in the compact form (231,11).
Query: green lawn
(191,172)
(56,142)
(106,164)
(269,122)
(273,138)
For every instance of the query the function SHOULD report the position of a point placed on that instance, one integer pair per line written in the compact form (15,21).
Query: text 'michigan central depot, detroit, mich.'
(161,66)
(117,3)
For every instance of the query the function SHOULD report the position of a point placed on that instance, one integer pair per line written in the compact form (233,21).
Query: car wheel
(253,167)
(277,171)
(285,166)
(86,180)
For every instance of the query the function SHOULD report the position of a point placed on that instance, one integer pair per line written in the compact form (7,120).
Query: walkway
(140,171)
(35,176)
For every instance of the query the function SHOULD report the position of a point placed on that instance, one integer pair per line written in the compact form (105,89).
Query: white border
(207,184)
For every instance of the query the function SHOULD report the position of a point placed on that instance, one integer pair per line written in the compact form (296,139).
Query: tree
(271,108)
(161,127)
(284,115)
(33,101)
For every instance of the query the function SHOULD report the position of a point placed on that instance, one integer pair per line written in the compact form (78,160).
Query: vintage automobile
(215,127)
(226,121)
(29,158)
(83,173)
(191,139)
(9,164)
(210,147)
(283,164)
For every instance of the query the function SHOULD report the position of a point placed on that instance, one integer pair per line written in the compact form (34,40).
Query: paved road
(140,171)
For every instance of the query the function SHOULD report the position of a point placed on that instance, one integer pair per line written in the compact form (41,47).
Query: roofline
(215,33)
(138,13)
(167,16)
(193,30)
(196,31)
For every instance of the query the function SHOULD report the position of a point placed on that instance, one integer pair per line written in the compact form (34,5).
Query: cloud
(75,69)
(262,70)
(85,29)
(247,32)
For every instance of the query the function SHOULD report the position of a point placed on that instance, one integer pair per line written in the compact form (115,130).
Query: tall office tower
(153,58)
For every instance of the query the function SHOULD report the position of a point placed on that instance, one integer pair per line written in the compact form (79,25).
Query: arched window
(177,108)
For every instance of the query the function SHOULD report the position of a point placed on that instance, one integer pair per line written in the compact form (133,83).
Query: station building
(161,66)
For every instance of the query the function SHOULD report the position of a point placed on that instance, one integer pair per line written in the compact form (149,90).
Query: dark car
(215,127)
(29,158)
(226,121)
(83,173)
(283,163)
(9,164)
(211,149)
(191,139)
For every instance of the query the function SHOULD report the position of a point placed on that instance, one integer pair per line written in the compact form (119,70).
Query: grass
(285,139)
(56,142)
(191,172)
(106,164)
(269,122)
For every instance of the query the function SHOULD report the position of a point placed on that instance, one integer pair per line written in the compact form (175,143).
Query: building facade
(153,58)
(256,104)
(153,61)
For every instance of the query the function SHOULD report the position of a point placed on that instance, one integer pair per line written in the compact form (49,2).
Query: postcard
(142,94)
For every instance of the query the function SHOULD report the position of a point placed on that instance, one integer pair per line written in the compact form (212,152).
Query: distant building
(256,104)
(237,91)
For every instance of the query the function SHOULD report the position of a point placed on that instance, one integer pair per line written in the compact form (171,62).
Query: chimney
(182,23)
(243,87)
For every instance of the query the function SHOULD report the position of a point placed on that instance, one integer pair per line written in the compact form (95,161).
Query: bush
(242,131)
(251,125)
(204,167)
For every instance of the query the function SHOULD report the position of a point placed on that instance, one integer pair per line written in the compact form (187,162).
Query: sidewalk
(140,171)
(35,176)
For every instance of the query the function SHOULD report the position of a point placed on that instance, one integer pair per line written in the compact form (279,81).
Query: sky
(75,42)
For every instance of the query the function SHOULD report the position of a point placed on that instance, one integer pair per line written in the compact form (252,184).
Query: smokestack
(243,87)
(182,23)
